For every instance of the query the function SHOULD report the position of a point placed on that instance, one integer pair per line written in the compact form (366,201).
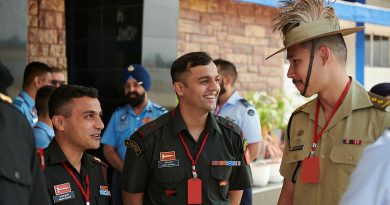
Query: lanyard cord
(86,195)
(317,136)
(194,162)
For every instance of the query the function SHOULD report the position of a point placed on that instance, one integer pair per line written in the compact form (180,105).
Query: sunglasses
(58,82)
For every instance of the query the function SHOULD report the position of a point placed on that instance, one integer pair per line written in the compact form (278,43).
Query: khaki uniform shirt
(361,116)
(157,164)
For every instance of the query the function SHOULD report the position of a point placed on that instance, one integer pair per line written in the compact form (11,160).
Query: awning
(346,10)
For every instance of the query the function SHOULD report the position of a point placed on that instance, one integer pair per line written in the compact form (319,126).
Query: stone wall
(239,32)
(46,32)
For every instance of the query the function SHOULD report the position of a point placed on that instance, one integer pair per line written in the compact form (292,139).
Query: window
(377,51)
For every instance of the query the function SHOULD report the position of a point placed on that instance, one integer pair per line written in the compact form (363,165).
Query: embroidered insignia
(134,146)
(62,188)
(300,132)
(166,156)
(295,148)
(251,112)
(130,68)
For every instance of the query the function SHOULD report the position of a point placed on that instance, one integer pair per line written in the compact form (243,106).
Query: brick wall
(239,32)
(46,32)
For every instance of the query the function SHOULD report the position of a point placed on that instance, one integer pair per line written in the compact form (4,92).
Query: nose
(99,124)
(290,72)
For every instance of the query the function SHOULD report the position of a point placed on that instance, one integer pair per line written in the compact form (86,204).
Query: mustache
(129,94)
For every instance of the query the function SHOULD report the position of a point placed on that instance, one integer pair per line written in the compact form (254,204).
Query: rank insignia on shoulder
(103,191)
(134,146)
(352,141)
(63,192)
(123,117)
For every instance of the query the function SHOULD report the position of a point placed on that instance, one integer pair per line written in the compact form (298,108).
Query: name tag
(64,197)
(169,163)
(296,148)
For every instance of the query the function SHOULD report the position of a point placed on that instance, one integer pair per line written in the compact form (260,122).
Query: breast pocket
(219,183)
(171,183)
(346,154)
(18,180)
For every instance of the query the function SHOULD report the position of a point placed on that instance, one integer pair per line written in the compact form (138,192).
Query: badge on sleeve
(134,146)
(63,192)
(104,191)
(251,112)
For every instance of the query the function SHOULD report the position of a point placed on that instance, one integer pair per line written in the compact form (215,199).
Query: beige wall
(46,32)
(238,32)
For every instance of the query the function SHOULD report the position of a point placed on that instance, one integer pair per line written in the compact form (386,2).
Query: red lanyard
(317,136)
(189,154)
(86,195)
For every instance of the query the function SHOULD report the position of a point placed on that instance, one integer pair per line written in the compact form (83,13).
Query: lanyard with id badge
(194,184)
(311,164)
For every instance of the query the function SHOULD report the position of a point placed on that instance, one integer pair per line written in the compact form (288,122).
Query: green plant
(271,109)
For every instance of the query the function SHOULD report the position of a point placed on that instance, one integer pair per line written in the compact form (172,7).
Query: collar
(27,98)
(45,127)
(57,156)
(179,125)
(355,99)
(148,108)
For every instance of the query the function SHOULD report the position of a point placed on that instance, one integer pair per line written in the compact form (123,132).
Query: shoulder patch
(134,146)
(98,161)
(378,101)
(245,102)
(152,126)
(230,125)
(251,112)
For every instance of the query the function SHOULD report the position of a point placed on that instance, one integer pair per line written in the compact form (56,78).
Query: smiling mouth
(96,136)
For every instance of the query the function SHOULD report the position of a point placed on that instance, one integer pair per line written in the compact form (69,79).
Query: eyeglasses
(58,82)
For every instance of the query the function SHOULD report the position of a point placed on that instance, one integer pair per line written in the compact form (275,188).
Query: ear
(36,81)
(58,122)
(179,88)
(324,54)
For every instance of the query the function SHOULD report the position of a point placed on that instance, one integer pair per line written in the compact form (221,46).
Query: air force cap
(139,73)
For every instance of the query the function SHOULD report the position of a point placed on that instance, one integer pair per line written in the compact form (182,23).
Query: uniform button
(17,175)
(322,156)
(137,118)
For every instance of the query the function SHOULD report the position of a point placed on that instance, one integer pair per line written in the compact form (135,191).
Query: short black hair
(61,99)
(42,99)
(32,70)
(227,68)
(56,70)
(382,89)
(186,61)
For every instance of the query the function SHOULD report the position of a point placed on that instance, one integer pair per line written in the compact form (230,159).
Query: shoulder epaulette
(301,107)
(98,161)
(245,102)
(119,108)
(17,102)
(378,101)
(161,108)
(152,126)
(229,124)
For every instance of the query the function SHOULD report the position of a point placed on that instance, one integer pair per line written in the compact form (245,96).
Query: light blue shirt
(370,182)
(124,123)
(26,105)
(43,134)
(239,111)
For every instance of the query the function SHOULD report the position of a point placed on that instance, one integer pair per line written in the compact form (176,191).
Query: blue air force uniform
(124,123)
(26,105)
(43,134)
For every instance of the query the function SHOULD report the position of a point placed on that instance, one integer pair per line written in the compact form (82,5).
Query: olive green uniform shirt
(145,170)
(56,174)
(360,117)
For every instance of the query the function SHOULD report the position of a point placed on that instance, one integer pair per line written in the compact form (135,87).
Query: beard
(136,99)
(223,89)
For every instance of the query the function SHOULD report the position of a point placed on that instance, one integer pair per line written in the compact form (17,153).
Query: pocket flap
(297,156)
(221,172)
(19,175)
(346,154)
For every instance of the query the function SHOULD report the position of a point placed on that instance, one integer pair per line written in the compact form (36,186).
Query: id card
(310,170)
(194,191)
